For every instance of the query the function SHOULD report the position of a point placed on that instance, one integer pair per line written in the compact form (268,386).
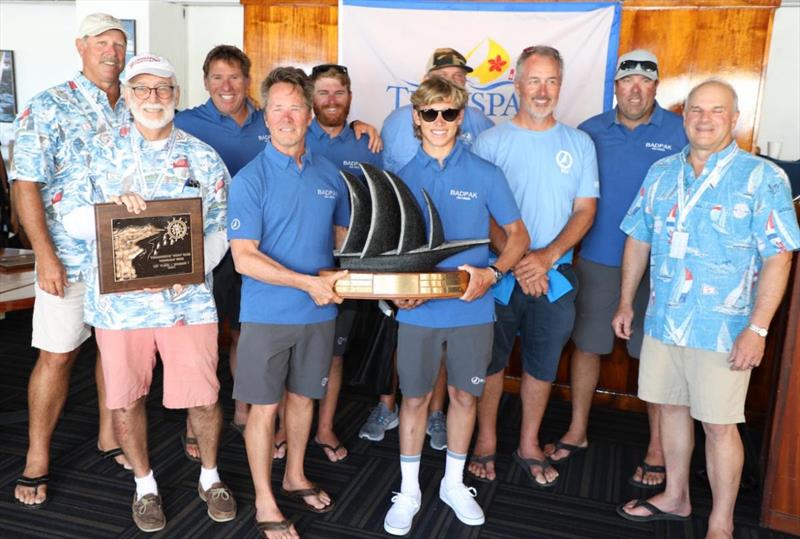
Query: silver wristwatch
(761,332)
(498,275)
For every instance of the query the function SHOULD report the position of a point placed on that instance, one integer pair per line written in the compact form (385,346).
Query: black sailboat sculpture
(387,227)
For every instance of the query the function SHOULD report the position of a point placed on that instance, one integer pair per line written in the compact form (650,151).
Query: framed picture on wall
(8,92)
(130,28)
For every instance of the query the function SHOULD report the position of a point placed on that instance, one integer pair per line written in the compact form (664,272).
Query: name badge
(680,241)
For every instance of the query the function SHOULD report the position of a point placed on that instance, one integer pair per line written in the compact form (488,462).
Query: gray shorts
(419,354)
(597,301)
(273,355)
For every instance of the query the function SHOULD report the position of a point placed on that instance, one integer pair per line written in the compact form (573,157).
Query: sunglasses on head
(645,65)
(322,68)
(430,115)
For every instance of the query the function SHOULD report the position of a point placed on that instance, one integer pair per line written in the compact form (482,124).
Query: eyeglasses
(322,68)
(430,115)
(162,92)
(644,65)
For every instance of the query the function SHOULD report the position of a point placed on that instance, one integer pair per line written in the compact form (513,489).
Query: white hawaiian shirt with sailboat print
(704,299)
(52,137)
(180,167)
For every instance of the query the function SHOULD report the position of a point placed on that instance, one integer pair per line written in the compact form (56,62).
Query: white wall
(780,104)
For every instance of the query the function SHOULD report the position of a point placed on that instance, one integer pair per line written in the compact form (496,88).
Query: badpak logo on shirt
(263,138)
(351,164)
(326,193)
(564,161)
(658,146)
(463,195)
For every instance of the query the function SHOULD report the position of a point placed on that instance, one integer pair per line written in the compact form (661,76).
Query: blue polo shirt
(236,145)
(623,158)
(291,212)
(467,190)
(343,150)
(400,145)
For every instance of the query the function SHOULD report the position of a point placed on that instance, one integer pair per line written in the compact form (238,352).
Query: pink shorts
(189,356)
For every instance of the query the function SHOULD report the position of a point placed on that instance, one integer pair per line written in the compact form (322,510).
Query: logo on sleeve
(235,224)
(564,161)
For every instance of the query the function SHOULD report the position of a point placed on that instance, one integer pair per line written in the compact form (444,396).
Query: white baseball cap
(97,23)
(149,64)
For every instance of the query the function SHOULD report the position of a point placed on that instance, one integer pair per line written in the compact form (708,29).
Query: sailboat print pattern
(704,300)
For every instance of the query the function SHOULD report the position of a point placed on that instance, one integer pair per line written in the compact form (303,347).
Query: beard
(167,114)
(332,120)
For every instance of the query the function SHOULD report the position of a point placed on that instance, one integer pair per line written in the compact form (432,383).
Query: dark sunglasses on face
(430,115)
(645,65)
(322,68)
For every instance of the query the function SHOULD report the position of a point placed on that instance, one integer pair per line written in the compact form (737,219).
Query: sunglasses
(322,68)
(430,115)
(645,65)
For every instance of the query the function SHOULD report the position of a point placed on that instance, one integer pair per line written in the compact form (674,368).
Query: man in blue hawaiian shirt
(52,134)
(717,226)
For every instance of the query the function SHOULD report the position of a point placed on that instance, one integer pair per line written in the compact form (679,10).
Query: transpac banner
(386,44)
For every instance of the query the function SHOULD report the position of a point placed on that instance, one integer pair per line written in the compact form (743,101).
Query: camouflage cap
(447,58)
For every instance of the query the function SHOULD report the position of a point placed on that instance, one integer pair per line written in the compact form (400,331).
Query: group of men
(705,212)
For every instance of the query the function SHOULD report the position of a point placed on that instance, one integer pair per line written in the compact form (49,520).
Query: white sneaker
(401,514)
(462,500)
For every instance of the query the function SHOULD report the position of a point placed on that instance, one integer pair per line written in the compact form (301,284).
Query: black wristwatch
(498,275)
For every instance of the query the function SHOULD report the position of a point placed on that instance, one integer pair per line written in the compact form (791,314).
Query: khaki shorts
(188,354)
(699,379)
(58,325)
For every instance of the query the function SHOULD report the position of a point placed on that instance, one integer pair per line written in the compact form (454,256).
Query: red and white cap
(149,64)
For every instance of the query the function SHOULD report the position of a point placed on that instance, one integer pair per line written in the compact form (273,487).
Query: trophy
(387,251)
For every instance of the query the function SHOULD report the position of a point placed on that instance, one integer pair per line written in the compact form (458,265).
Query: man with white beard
(150,160)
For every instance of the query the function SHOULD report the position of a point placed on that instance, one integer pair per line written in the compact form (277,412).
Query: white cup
(774,149)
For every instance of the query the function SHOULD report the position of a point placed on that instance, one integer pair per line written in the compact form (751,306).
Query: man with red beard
(330,136)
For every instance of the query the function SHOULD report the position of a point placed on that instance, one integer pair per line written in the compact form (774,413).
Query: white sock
(454,469)
(146,485)
(208,477)
(409,474)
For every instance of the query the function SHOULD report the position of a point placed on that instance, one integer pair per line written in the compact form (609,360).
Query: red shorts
(189,356)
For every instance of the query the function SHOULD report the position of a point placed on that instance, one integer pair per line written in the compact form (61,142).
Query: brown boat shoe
(221,504)
(148,514)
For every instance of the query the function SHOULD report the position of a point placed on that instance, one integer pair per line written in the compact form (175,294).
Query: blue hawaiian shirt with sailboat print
(52,136)
(704,299)
(180,167)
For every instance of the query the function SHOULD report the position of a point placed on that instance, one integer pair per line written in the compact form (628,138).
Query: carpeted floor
(90,498)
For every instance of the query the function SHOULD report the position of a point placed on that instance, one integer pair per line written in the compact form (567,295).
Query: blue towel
(558,284)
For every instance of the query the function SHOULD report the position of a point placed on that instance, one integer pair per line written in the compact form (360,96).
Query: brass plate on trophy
(158,247)
(374,285)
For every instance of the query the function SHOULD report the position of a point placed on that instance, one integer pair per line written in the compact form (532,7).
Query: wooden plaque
(158,247)
(399,285)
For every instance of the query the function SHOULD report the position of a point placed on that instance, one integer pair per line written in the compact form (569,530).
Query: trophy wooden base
(428,285)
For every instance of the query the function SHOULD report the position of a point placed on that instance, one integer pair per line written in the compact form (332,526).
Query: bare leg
(655,455)
(535,394)
(299,411)
(241,409)
(327,411)
(206,421)
(486,443)
(460,420)
(677,455)
(47,393)
(439,389)
(130,427)
(413,416)
(280,435)
(258,436)
(724,461)
(584,374)
(105,435)
(390,400)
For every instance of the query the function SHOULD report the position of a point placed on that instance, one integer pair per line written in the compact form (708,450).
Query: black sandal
(33,482)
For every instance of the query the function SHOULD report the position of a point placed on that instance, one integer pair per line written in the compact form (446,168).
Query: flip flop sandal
(113,454)
(33,482)
(526,464)
(483,460)
(300,495)
(274,525)
(655,513)
(188,440)
(277,447)
(571,449)
(332,449)
(647,468)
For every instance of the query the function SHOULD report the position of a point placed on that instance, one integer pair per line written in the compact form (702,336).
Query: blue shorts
(544,329)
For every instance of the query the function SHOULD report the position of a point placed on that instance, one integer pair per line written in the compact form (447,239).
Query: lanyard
(93,104)
(713,178)
(137,157)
